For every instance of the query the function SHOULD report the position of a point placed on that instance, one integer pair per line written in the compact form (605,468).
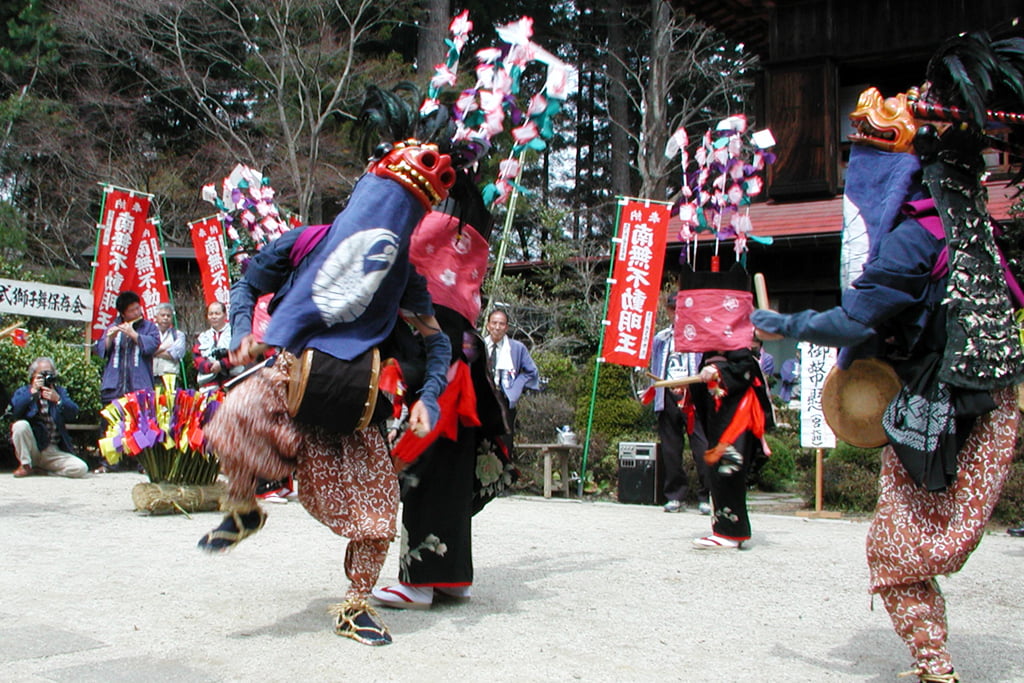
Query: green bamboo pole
(600,347)
(499,265)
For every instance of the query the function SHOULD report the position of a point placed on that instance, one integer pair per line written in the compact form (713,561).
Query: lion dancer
(930,296)
(338,290)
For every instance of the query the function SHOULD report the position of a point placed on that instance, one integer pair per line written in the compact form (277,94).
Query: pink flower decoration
(442,76)
(523,134)
(518,32)
(488,55)
(461,25)
(466,101)
(740,245)
(485,76)
(509,168)
(538,105)
(429,106)
(557,85)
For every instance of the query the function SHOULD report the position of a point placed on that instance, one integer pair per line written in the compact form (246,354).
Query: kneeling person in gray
(41,409)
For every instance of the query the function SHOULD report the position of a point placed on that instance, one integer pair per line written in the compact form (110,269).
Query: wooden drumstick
(8,331)
(681,382)
(761,291)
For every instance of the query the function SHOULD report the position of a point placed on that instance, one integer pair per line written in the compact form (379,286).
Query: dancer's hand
(247,351)
(419,420)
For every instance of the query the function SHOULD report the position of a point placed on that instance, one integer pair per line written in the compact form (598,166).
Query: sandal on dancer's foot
(925,677)
(357,620)
(454,593)
(235,527)
(715,542)
(401,596)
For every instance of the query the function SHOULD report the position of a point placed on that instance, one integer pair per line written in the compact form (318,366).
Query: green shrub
(78,374)
(539,414)
(846,487)
(1010,508)
(779,473)
(850,479)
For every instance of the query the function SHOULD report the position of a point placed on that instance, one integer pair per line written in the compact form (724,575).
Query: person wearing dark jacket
(41,410)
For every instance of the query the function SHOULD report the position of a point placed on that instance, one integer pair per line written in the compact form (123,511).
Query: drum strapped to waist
(338,395)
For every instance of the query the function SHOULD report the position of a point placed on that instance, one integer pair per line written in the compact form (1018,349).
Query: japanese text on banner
(122,224)
(150,281)
(815,363)
(208,242)
(636,275)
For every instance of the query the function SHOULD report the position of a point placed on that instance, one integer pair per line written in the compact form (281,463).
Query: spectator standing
(765,359)
(127,346)
(211,349)
(167,359)
(675,413)
(510,363)
(41,409)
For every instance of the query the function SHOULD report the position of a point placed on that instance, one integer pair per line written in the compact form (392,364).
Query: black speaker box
(639,477)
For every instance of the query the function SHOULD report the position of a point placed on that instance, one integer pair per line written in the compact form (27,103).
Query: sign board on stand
(815,363)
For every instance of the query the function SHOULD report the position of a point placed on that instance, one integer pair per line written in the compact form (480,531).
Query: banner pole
(499,265)
(600,346)
(92,275)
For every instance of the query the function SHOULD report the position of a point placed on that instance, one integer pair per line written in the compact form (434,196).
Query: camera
(219,354)
(49,378)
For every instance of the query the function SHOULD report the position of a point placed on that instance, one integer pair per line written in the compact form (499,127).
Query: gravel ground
(564,590)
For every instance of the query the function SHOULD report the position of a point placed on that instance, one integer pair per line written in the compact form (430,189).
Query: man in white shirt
(509,361)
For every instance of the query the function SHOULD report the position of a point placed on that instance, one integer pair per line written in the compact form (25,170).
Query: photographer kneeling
(41,409)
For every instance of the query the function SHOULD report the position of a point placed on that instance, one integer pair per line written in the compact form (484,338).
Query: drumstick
(8,331)
(761,291)
(681,382)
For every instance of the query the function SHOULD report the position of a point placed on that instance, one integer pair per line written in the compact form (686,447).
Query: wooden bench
(83,433)
(551,451)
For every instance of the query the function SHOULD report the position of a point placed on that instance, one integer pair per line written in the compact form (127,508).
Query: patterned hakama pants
(917,535)
(348,483)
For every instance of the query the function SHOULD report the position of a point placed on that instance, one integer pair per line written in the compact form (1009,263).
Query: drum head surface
(854,400)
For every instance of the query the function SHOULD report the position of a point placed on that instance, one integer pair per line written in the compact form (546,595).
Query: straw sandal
(355,619)
(235,527)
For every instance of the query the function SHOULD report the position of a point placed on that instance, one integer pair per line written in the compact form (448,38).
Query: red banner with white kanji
(642,233)
(123,222)
(150,278)
(208,241)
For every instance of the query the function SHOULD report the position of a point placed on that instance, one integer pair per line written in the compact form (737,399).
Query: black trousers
(671,434)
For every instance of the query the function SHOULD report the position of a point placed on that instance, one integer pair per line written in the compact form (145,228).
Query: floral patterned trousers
(348,483)
(917,535)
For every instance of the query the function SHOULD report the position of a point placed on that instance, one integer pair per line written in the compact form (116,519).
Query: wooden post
(819,491)
(819,478)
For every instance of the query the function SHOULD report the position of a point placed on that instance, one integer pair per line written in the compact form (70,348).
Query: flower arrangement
(251,217)
(727,171)
(481,112)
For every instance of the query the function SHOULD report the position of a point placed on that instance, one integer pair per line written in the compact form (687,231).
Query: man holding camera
(213,367)
(41,409)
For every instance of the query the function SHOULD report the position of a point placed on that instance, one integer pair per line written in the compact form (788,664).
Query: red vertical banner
(642,234)
(208,241)
(149,280)
(122,221)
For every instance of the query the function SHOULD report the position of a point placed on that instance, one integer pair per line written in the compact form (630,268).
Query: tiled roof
(823,217)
